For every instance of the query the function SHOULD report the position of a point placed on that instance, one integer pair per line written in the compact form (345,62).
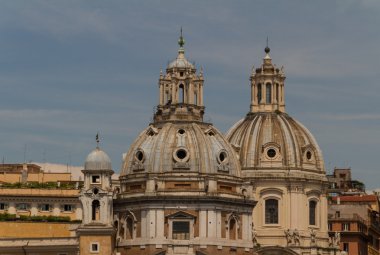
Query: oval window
(308,155)
(181,131)
(222,156)
(271,153)
(139,155)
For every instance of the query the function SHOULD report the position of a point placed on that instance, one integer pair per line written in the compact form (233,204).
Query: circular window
(181,155)
(222,157)
(96,191)
(139,155)
(308,155)
(181,131)
(271,153)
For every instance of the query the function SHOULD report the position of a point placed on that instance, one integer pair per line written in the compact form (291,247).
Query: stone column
(211,223)
(202,223)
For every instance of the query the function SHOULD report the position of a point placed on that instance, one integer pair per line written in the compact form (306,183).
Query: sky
(70,69)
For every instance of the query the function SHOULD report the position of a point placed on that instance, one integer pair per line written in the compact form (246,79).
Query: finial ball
(267,50)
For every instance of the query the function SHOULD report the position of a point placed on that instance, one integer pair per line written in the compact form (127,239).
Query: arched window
(271,211)
(129,228)
(258,93)
(232,229)
(181,96)
(95,210)
(312,212)
(268,93)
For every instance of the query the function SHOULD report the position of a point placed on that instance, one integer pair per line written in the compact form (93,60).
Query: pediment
(181,215)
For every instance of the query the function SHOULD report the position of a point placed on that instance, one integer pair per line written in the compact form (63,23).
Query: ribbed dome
(181,147)
(97,160)
(277,141)
(180,62)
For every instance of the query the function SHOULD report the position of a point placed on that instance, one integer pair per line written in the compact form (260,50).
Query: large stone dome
(275,140)
(185,147)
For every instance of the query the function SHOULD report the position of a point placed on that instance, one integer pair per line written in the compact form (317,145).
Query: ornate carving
(254,236)
(224,167)
(292,237)
(335,240)
(313,235)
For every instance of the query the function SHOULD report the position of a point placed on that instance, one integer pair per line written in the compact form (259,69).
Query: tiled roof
(363,198)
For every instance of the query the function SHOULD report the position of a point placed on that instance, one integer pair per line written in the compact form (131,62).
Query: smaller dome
(181,62)
(97,160)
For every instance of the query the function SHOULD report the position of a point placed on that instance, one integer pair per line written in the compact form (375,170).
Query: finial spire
(267,49)
(97,140)
(181,41)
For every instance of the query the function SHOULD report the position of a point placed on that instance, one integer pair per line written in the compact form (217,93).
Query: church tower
(96,233)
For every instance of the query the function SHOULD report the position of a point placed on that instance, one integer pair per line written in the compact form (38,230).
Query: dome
(186,147)
(275,140)
(97,160)
(180,62)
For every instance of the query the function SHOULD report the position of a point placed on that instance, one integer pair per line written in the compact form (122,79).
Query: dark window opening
(181,154)
(268,93)
(95,179)
(129,228)
(271,211)
(259,93)
(181,230)
(312,212)
(95,210)
(271,153)
(308,155)
(181,93)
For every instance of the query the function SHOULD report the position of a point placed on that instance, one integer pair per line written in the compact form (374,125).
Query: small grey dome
(97,160)
(180,62)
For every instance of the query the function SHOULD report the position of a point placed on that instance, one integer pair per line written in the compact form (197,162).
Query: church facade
(186,188)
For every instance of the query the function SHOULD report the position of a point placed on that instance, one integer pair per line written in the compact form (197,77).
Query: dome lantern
(180,90)
(267,87)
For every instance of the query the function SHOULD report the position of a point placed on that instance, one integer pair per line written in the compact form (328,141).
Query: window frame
(24,209)
(97,247)
(315,218)
(3,206)
(96,182)
(278,211)
(42,208)
(346,226)
(68,205)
